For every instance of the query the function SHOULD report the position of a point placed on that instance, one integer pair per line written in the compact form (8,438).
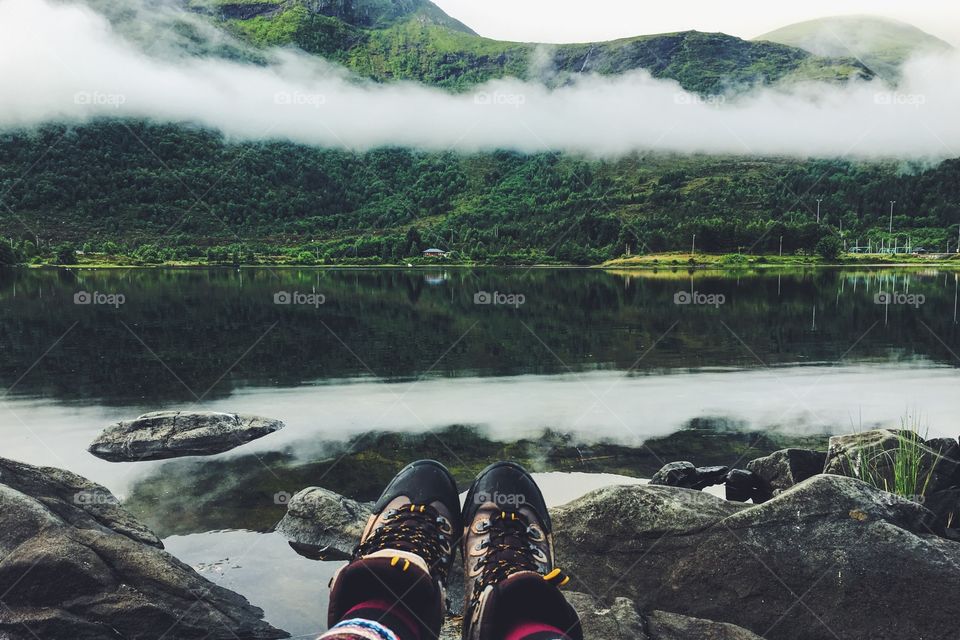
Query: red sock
(535,631)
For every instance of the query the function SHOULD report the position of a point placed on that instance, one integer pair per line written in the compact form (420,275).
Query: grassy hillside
(415,40)
(98,187)
(880,43)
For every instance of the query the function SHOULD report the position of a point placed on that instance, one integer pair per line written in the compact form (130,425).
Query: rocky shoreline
(817,554)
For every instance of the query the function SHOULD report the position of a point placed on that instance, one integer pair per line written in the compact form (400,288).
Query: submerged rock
(74,564)
(686,475)
(172,434)
(782,469)
(834,542)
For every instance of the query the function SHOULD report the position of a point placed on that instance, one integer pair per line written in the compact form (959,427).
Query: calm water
(598,359)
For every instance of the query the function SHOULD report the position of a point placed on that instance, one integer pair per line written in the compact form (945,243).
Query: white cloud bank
(63,62)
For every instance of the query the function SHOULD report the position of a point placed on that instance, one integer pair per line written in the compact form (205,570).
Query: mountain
(415,40)
(130,188)
(881,44)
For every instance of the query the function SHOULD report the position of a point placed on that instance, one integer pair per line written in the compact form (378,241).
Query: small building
(434,253)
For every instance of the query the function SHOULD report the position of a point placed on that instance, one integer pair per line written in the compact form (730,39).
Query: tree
(829,247)
(7,255)
(65,254)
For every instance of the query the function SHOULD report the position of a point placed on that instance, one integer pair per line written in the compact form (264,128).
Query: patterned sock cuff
(358,629)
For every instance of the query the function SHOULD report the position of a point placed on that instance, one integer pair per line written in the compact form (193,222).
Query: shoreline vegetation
(652,261)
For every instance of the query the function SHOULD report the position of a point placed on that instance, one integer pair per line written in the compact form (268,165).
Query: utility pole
(693,246)
(819,200)
(781,246)
(892,202)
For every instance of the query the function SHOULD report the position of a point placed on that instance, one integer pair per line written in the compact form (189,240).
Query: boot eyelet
(444,525)
(536,533)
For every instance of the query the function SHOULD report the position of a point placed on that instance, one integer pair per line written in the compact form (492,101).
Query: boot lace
(509,550)
(419,529)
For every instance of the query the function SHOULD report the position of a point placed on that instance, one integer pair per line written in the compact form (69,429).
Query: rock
(671,626)
(622,621)
(945,505)
(619,621)
(816,561)
(684,474)
(74,564)
(782,469)
(324,523)
(872,454)
(173,434)
(742,485)
(947,447)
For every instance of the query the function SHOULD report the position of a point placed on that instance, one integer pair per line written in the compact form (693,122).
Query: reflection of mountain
(189,496)
(200,324)
(881,44)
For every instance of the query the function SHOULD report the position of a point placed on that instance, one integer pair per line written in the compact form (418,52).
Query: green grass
(905,470)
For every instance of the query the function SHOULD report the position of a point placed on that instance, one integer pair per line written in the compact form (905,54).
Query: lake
(569,370)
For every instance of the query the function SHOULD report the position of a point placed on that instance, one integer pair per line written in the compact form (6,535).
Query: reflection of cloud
(52,53)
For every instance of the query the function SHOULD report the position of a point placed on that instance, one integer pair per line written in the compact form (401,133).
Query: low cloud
(65,63)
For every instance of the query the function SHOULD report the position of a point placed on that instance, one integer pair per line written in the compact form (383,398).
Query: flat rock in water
(173,434)
(75,564)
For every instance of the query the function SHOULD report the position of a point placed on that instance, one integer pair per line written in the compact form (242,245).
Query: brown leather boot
(508,558)
(406,550)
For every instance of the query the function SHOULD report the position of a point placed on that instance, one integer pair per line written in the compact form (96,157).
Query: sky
(577,21)
(61,62)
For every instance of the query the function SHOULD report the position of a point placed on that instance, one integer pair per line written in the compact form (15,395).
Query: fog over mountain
(62,62)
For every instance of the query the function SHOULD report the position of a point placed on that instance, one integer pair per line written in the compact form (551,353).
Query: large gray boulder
(829,558)
(782,469)
(872,454)
(74,564)
(173,434)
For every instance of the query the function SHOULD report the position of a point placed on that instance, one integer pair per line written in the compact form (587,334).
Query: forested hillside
(99,187)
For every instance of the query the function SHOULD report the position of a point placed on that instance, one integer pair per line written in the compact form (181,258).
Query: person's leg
(512,587)
(394,586)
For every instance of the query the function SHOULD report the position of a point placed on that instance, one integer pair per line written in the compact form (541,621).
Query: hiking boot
(508,558)
(406,550)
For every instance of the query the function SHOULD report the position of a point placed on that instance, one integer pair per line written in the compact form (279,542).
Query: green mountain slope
(174,191)
(881,44)
(414,40)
